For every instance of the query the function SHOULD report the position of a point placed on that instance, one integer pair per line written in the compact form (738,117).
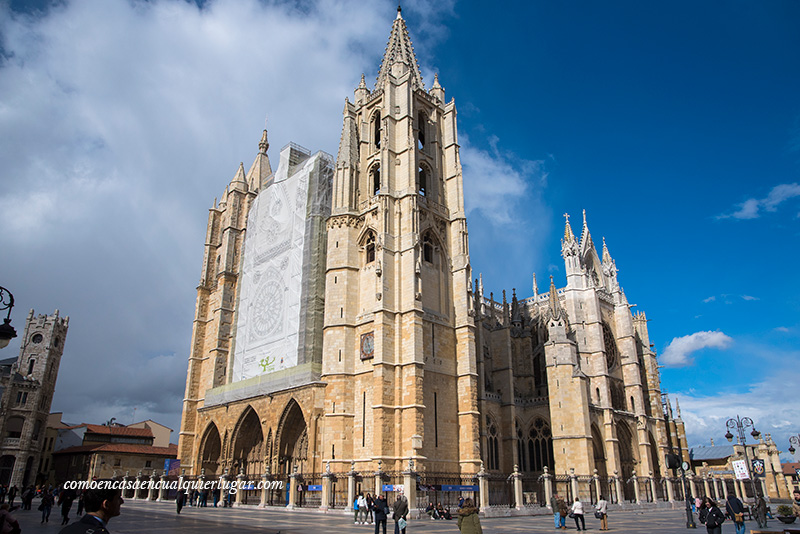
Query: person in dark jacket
(381,510)
(711,516)
(468,520)
(46,506)
(180,500)
(65,500)
(400,508)
(101,505)
(735,510)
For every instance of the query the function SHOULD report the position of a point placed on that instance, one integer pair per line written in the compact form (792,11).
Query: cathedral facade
(339,327)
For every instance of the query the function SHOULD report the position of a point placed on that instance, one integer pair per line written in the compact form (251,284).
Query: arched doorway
(627,459)
(26,476)
(598,447)
(292,440)
(6,468)
(211,450)
(248,453)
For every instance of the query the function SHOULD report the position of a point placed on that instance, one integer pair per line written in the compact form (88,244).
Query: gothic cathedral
(338,327)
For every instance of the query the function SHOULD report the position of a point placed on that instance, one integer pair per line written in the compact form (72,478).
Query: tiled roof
(123,448)
(120,431)
(789,468)
(718,452)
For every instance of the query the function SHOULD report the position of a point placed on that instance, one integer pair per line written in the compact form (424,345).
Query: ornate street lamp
(740,424)
(793,440)
(7,332)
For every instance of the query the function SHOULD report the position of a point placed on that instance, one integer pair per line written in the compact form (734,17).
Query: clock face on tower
(367,345)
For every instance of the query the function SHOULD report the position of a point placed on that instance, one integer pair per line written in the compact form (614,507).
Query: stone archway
(248,444)
(627,460)
(210,451)
(599,449)
(292,440)
(6,468)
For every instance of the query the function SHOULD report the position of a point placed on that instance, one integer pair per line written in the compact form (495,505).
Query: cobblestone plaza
(156,517)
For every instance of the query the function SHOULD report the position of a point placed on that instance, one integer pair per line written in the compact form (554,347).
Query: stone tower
(28,386)
(399,349)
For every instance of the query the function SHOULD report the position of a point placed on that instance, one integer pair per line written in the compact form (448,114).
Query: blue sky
(676,126)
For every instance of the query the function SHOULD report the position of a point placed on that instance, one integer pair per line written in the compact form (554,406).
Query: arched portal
(6,468)
(210,450)
(627,460)
(598,447)
(248,444)
(654,454)
(292,440)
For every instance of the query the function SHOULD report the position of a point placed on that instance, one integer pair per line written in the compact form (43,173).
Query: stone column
(618,485)
(410,485)
(239,487)
(717,491)
(596,481)
(516,478)
(737,488)
(483,488)
(573,483)
(548,486)
(724,487)
(293,490)
(351,486)
(705,484)
(264,490)
(153,493)
(137,492)
(670,488)
(223,488)
(379,479)
(162,492)
(128,480)
(763,485)
(653,487)
(635,481)
(326,487)
(692,484)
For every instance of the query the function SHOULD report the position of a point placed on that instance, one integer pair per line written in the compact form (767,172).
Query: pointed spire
(568,235)
(399,50)
(480,283)
(606,254)
(437,91)
(586,237)
(239,178)
(516,311)
(361,93)
(260,170)
(535,287)
(555,305)
(436,81)
(677,409)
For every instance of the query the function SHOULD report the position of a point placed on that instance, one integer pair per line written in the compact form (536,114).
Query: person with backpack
(381,513)
(735,510)
(711,516)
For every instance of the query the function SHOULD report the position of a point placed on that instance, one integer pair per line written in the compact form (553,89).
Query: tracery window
(612,352)
(370,248)
(376,128)
(375,176)
(540,445)
(427,248)
(421,121)
(423,181)
(492,453)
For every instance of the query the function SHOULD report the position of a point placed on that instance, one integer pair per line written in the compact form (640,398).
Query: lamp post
(7,332)
(740,424)
(793,440)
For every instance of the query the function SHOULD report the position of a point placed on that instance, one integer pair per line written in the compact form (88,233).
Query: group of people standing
(369,508)
(561,511)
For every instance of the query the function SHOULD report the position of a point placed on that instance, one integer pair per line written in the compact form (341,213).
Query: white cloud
(495,182)
(752,207)
(782,329)
(712,298)
(765,402)
(750,297)
(677,353)
(121,121)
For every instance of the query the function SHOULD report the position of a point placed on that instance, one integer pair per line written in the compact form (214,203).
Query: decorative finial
(436,84)
(535,287)
(399,10)
(363,83)
(584,217)
(263,145)
(568,235)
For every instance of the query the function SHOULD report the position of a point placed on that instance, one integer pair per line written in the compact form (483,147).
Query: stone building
(373,349)
(28,383)
(87,452)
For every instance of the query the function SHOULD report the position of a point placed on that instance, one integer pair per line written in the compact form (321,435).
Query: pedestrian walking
(554,506)
(711,516)
(355,509)
(370,506)
(46,506)
(180,500)
(400,514)
(761,511)
(601,512)
(577,514)
(381,513)
(468,520)
(65,500)
(362,508)
(735,510)
(563,511)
